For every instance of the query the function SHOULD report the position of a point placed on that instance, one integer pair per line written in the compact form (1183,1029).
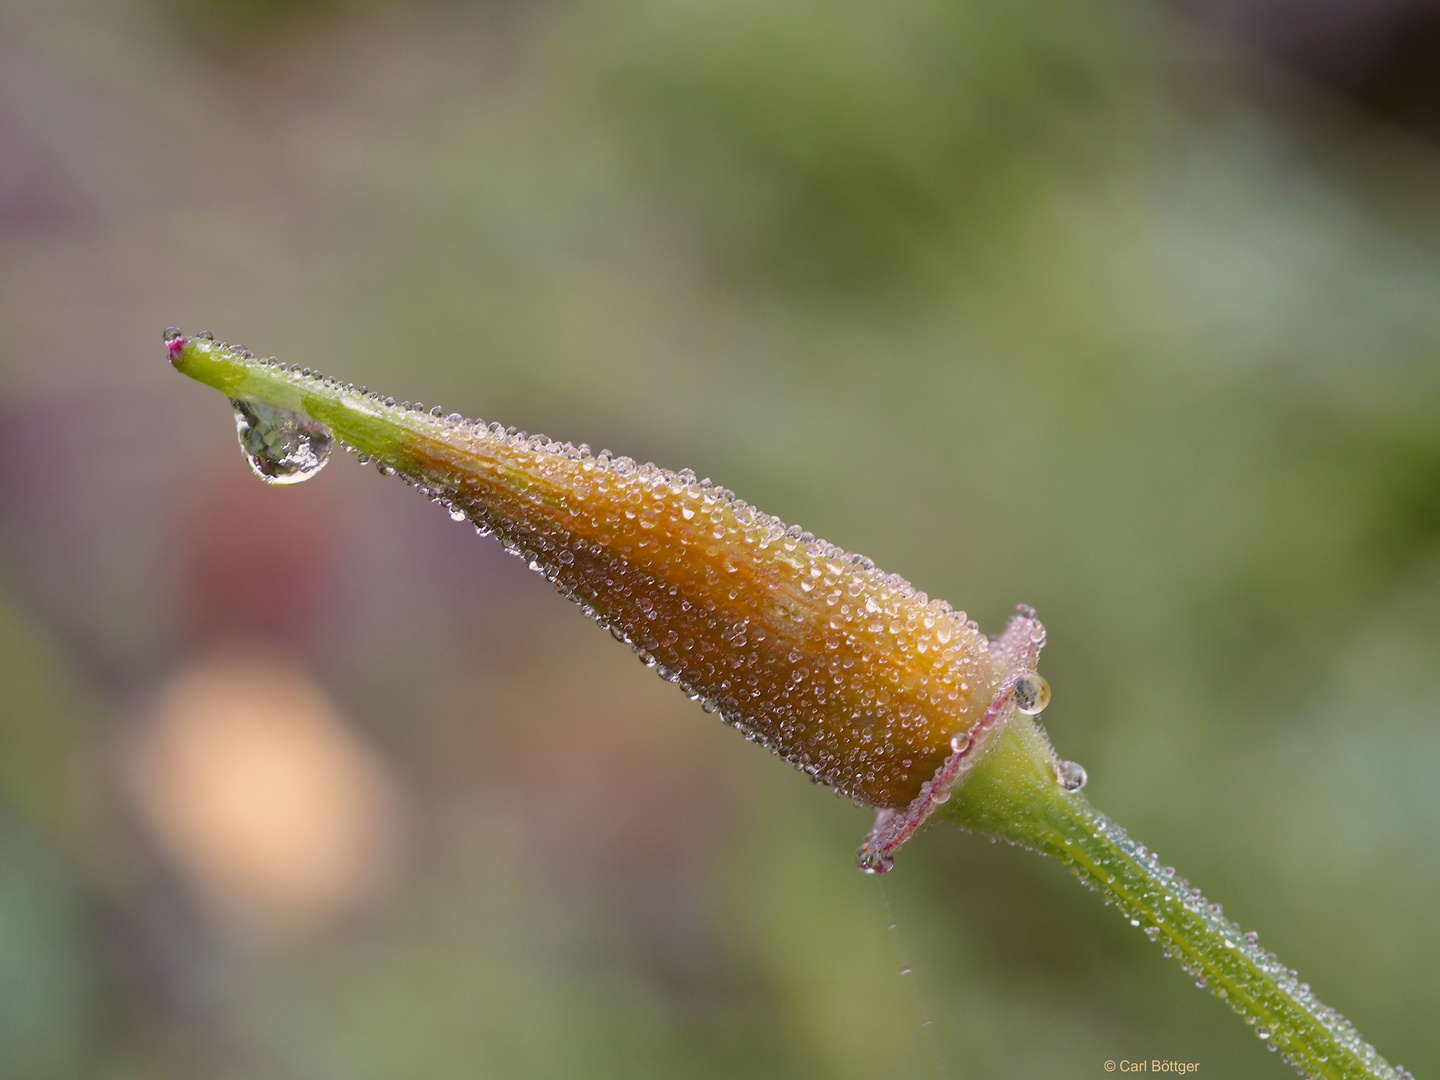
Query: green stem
(1012,794)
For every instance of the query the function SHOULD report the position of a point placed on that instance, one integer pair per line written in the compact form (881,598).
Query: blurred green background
(1125,311)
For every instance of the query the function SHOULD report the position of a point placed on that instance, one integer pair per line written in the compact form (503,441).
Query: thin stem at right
(1013,794)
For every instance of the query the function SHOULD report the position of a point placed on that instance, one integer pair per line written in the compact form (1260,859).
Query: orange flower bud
(848,673)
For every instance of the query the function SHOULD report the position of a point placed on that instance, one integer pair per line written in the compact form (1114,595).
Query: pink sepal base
(1016,653)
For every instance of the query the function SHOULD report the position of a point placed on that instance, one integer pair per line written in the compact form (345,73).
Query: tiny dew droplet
(959,742)
(1032,694)
(282,447)
(172,333)
(1071,775)
(871,861)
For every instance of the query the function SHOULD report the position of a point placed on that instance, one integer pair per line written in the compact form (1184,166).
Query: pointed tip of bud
(174,342)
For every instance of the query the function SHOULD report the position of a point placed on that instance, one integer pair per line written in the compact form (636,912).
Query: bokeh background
(1126,310)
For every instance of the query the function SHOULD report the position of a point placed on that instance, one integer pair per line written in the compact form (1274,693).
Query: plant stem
(1012,794)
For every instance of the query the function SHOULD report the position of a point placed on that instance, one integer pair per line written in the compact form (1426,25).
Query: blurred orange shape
(260,792)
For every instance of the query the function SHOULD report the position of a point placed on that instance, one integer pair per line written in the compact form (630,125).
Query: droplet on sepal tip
(1032,694)
(872,862)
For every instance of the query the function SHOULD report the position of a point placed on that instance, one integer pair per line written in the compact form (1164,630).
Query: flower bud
(850,674)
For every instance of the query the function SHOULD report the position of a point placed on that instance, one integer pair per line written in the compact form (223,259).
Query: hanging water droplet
(1071,775)
(1263,1031)
(959,742)
(282,447)
(1032,694)
(872,862)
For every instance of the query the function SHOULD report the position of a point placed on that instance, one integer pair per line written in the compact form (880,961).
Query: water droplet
(872,862)
(206,335)
(1032,694)
(1263,1031)
(1071,775)
(456,514)
(282,447)
(959,741)
(173,333)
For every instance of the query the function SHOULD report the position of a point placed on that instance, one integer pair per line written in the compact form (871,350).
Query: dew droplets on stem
(1152,895)
(282,446)
(1070,775)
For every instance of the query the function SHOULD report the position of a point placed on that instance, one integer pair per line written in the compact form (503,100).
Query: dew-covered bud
(849,673)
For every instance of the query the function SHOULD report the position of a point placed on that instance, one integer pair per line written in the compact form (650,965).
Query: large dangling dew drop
(1032,694)
(282,447)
